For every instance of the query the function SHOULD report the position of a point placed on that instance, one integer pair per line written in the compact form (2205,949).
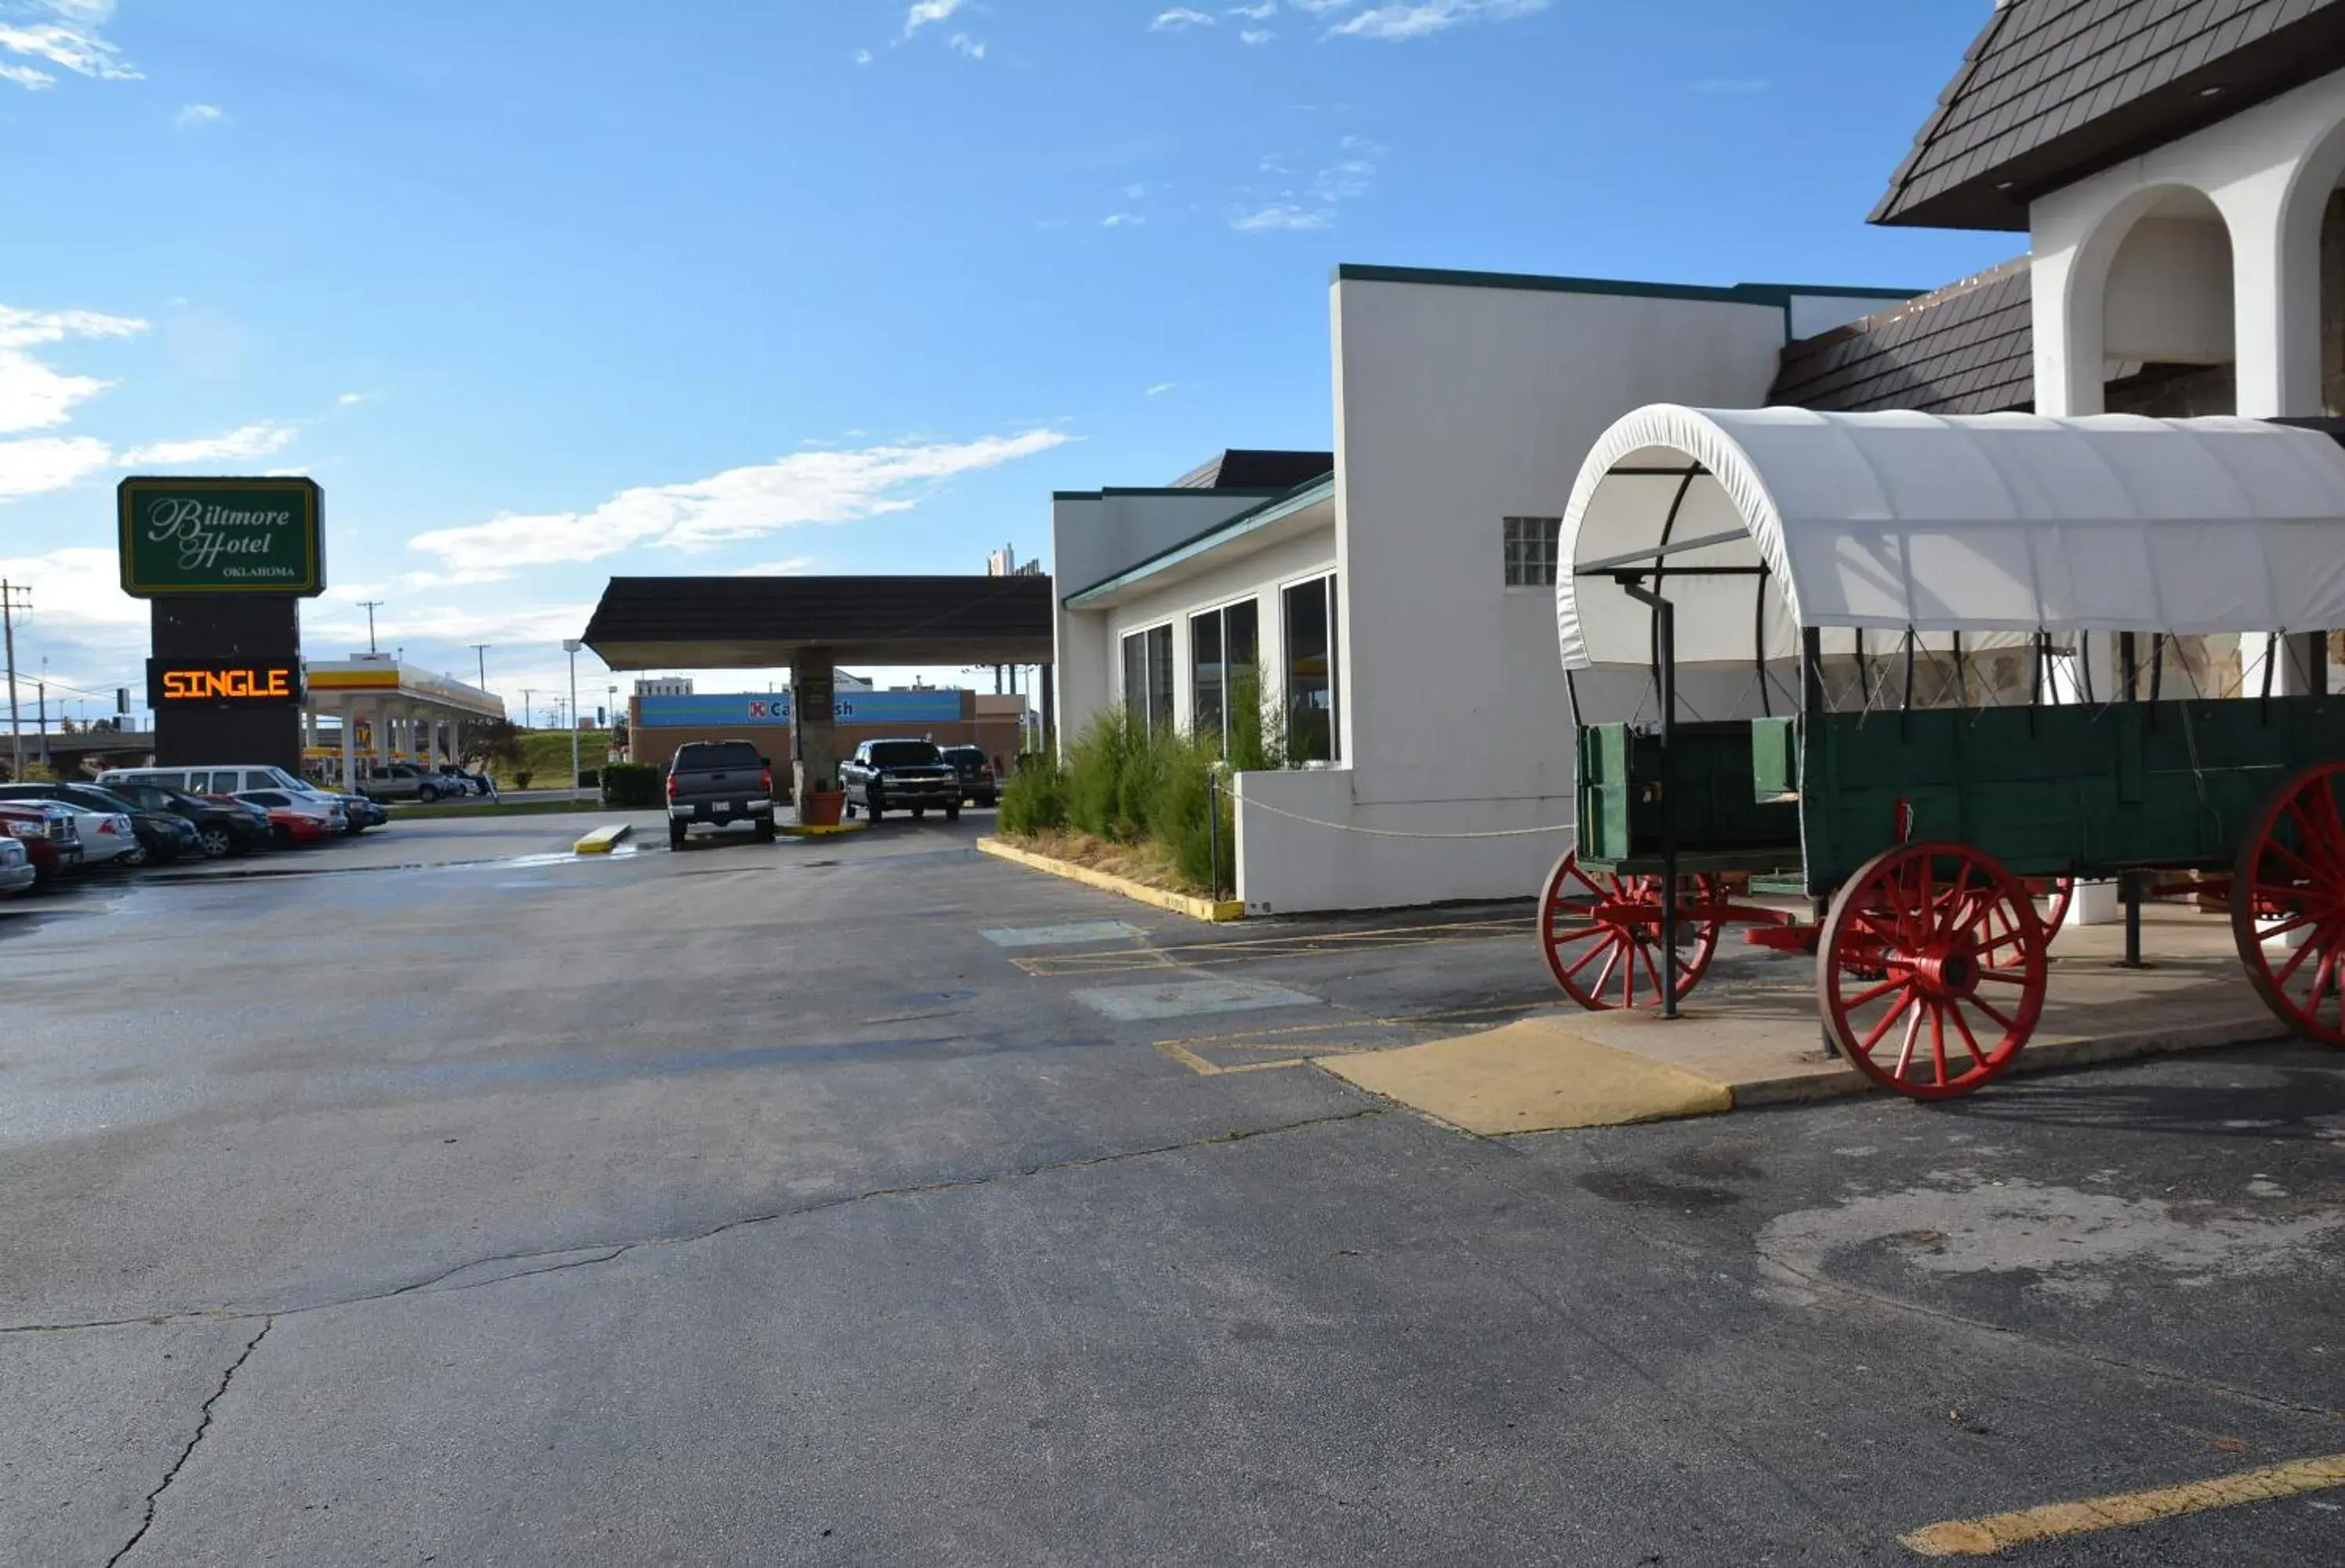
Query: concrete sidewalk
(1761,1042)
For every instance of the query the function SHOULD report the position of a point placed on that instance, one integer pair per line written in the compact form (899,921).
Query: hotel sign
(221,536)
(235,683)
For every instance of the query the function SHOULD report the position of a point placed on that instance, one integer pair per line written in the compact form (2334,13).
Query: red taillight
(766,781)
(671,786)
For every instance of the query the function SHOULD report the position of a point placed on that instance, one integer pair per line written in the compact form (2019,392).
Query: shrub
(634,786)
(521,778)
(1035,799)
(588,778)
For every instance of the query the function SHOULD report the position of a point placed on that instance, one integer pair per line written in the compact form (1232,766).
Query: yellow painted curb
(602,839)
(1984,1537)
(810,830)
(1530,1077)
(1178,903)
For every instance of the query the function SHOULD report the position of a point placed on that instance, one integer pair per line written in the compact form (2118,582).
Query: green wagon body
(2077,791)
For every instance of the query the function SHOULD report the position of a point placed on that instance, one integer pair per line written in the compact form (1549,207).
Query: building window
(1530,550)
(1225,678)
(1313,733)
(1148,678)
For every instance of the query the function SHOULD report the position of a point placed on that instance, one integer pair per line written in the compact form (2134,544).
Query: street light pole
(480,652)
(526,693)
(571,645)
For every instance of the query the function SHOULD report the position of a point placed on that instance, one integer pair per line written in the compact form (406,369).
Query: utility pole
(571,645)
(9,604)
(371,606)
(526,693)
(480,652)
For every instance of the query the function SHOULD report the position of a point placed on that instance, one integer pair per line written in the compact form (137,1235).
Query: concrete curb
(815,830)
(603,840)
(1209,909)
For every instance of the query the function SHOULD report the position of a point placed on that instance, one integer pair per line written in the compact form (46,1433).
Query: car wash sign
(221,536)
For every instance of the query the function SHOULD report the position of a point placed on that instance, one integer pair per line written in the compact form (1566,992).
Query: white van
(218,780)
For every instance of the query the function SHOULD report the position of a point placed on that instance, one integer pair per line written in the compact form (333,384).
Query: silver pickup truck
(719,783)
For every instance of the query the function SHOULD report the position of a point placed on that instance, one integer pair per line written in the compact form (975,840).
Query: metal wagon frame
(1924,837)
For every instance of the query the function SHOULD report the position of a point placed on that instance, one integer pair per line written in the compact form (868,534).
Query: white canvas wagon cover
(1986,523)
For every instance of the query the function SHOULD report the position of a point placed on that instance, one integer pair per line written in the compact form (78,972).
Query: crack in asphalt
(605,1252)
(204,1425)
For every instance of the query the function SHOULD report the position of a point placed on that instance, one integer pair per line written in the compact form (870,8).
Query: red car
(298,818)
(48,835)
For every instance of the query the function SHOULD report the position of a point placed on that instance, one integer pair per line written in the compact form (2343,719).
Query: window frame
(1326,579)
(1219,614)
(1145,712)
(1520,558)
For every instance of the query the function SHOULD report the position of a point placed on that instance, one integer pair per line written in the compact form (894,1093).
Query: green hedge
(1121,782)
(636,786)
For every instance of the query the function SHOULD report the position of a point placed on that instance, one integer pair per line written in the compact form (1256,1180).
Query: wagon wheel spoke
(1874,993)
(2295,962)
(1970,1041)
(1986,1007)
(1938,1041)
(1612,957)
(1586,959)
(2296,922)
(1912,1033)
(1957,903)
(1888,1018)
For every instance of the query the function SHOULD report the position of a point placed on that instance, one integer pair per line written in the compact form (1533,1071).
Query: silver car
(16,872)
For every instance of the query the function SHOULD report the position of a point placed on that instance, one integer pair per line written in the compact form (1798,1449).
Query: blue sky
(549,290)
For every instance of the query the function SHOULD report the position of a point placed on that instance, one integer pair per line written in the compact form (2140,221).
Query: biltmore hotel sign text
(221,536)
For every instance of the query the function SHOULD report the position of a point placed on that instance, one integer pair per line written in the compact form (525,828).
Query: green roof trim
(1283,504)
(1775,294)
(1106,491)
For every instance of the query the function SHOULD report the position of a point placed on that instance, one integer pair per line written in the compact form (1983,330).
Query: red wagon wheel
(1930,968)
(2053,895)
(2288,903)
(1602,934)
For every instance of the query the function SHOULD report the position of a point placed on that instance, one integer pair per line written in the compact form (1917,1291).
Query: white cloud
(1161,388)
(926,12)
(32,79)
(351,400)
(65,34)
(49,462)
(790,566)
(256,441)
(1180,19)
(963,44)
(1256,35)
(1262,13)
(862,56)
(1281,216)
(1136,191)
(192,116)
(32,397)
(1403,19)
(1122,220)
(807,487)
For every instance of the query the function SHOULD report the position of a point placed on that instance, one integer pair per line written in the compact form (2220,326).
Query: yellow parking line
(1980,1537)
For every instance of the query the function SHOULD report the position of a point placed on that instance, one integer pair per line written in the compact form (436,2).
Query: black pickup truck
(900,776)
(719,781)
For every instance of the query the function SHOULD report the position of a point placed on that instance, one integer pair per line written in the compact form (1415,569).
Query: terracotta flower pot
(822,808)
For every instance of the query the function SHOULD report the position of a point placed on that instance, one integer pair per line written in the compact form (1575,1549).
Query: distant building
(665,686)
(1003,562)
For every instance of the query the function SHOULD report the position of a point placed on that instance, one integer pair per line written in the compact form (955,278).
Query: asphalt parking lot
(867,1199)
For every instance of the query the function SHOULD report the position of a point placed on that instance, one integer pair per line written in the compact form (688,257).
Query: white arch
(2071,296)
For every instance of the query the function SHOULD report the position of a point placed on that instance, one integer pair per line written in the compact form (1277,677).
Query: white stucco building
(1399,606)
(2178,183)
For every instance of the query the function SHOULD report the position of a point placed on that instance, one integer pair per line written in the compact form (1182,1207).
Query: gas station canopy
(766,623)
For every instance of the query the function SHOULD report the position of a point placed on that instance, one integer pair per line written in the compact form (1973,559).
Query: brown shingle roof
(2053,90)
(1967,348)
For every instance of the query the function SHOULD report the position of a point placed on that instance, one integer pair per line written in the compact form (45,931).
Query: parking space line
(1299,1042)
(1998,1532)
(1210,954)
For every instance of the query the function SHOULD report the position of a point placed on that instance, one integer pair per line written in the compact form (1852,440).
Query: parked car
(223,827)
(900,776)
(459,782)
(298,816)
(977,783)
(359,813)
(220,779)
(161,836)
(107,838)
(409,781)
(17,872)
(52,834)
(719,783)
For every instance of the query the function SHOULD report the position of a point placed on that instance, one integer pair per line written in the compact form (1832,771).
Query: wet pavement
(872,1201)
